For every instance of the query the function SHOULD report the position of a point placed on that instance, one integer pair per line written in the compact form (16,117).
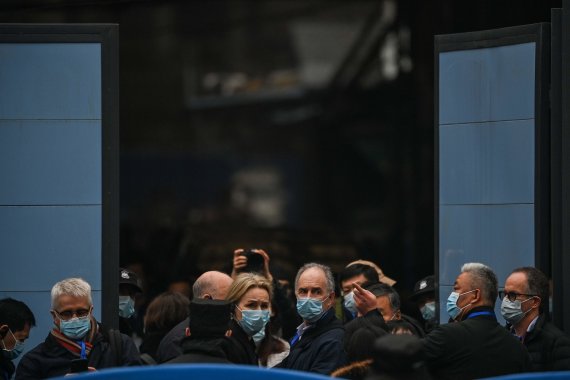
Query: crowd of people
(249,317)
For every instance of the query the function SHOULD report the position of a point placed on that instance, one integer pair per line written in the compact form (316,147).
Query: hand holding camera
(251,260)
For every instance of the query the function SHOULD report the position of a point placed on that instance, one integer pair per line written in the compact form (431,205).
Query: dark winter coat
(203,351)
(549,347)
(50,359)
(242,348)
(320,349)
(476,347)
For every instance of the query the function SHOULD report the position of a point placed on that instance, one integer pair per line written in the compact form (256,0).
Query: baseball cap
(129,278)
(423,286)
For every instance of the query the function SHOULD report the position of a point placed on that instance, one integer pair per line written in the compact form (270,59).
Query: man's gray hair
(483,278)
(326,270)
(75,287)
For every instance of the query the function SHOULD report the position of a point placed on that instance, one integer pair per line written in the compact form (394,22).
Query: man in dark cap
(424,298)
(206,334)
(129,286)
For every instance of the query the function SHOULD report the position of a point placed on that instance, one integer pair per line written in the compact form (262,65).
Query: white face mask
(512,310)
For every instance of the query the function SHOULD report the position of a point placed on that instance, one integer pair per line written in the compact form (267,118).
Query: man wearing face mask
(16,320)
(128,288)
(527,317)
(318,344)
(355,273)
(475,346)
(76,336)
(424,298)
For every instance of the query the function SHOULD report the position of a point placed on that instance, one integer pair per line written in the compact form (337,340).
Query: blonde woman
(250,295)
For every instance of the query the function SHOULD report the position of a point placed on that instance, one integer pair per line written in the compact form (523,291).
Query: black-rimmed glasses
(512,296)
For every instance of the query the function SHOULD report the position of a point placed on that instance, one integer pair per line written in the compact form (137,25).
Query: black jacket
(476,347)
(203,351)
(50,359)
(242,348)
(549,348)
(320,348)
(6,367)
(169,346)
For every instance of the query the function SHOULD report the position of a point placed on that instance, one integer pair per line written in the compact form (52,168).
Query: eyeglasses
(68,314)
(512,296)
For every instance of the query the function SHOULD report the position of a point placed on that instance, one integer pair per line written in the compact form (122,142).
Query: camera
(254,261)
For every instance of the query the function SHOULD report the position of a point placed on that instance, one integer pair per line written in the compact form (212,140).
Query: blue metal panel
(500,236)
(50,81)
(50,162)
(489,84)
(487,163)
(55,242)
(200,372)
(40,304)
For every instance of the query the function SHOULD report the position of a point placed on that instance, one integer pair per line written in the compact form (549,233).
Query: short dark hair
(356,270)
(15,314)
(536,283)
(380,290)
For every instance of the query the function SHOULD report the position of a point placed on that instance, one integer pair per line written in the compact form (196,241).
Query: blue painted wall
(50,166)
(486,161)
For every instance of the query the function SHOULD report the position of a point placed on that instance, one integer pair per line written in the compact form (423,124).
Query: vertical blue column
(486,133)
(50,166)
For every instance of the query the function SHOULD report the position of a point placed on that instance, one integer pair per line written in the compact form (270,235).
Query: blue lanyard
(481,313)
(83,355)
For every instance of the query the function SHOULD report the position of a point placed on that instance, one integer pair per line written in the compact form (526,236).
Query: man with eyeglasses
(318,344)
(525,308)
(475,345)
(77,341)
(16,320)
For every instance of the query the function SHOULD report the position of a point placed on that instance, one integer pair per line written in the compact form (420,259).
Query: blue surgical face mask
(310,309)
(428,311)
(16,350)
(126,306)
(349,303)
(258,336)
(253,321)
(75,328)
(452,309)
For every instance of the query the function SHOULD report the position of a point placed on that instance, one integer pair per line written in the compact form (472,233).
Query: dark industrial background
(301,127)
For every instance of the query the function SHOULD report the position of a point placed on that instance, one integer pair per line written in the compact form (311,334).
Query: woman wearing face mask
(250,295)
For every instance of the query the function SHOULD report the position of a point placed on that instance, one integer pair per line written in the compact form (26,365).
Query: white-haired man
(76,337)
(475,345)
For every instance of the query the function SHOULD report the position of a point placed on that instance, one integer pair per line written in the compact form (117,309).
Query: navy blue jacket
(50,359)
(320,349)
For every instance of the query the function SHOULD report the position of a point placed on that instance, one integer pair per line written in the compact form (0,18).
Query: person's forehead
(463,278)
(66,301)
(516,281)
(255,294)
(359,279)
(22,334)
(312,277)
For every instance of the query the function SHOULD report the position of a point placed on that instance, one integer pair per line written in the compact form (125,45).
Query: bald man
(210,285)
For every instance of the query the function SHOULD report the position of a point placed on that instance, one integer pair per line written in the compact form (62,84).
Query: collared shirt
(531,324)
